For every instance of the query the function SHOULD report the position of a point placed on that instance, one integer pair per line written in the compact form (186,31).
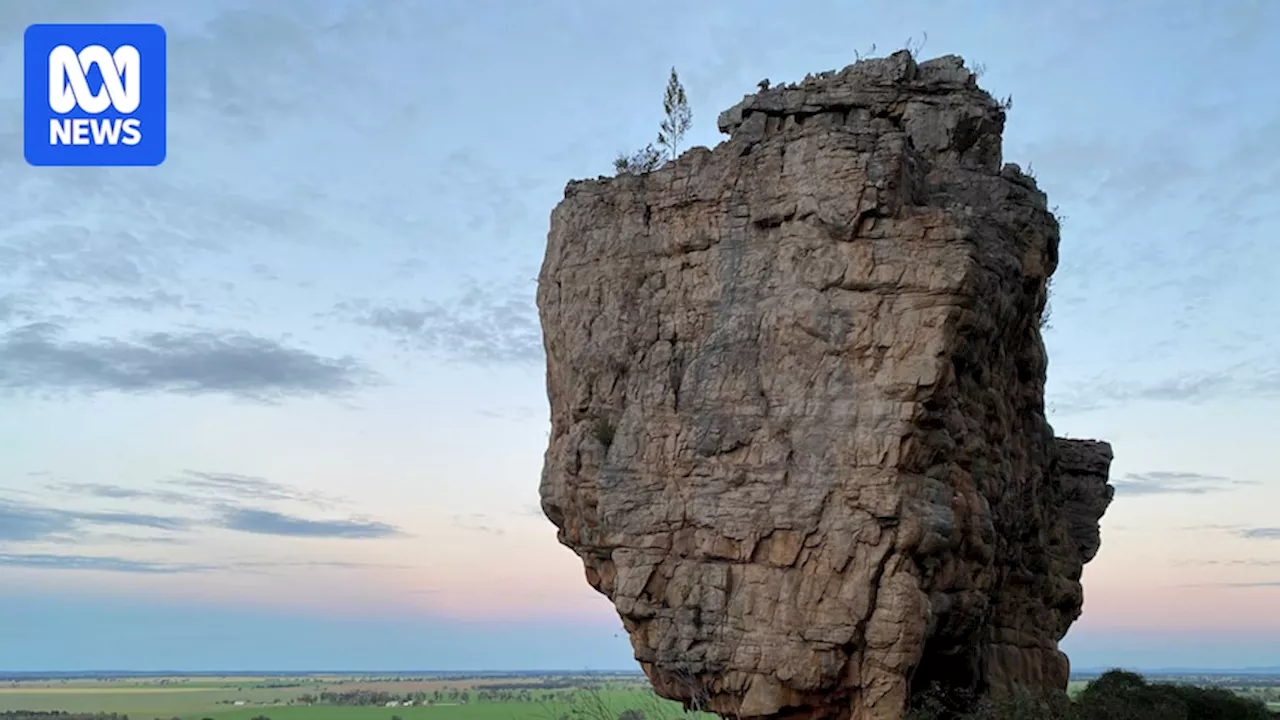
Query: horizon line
(384,671)
(77,674)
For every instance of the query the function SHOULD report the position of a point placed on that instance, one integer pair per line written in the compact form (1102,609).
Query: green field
(551,697)
(248,698)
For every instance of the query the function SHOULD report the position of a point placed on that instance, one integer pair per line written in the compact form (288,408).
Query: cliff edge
(797,405)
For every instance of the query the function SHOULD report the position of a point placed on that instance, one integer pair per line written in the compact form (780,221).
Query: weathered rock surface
(797,404)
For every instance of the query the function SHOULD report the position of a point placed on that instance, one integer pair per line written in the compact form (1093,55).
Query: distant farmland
(332,697)
(506,696)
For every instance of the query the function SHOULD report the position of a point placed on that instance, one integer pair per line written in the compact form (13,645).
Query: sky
(279,404)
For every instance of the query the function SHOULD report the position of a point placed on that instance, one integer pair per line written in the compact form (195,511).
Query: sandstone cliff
(797,404)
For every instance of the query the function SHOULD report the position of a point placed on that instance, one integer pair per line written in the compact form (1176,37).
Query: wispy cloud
(37,357)
(251,566)
(1265,583)
(119,492)
(1256,584)
(114,564)
(1161,482)
(1242,381)
(97,539)
(1241,531)
(483,326)
(147,302)
(266,522)
(24,522)
(202,488)
(154,522)
(226,501)
(9,307)
(250,488)
(44,561)
(1216,527)
(1252,562)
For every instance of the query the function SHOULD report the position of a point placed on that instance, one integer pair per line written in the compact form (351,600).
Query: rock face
(797,405)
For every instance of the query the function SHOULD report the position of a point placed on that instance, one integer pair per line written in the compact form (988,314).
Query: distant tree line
(59,715)
(548,684)
(362,697)
(1115,695)
(503,692)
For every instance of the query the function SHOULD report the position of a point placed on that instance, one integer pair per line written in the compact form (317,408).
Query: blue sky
(279,402)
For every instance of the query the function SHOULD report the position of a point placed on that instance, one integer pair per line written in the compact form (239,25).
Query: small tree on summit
(678,116)
(671,132)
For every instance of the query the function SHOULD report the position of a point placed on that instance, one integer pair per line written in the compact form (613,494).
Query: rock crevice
(797,404)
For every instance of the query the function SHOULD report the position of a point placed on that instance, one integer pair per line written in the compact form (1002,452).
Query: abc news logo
(94,95)
(69,88)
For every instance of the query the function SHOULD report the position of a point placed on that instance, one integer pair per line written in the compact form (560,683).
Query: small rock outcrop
(797,405)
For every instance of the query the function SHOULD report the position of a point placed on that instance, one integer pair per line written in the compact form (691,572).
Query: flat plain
(585,696)
(335,697)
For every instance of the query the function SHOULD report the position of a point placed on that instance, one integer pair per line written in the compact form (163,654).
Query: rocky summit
(797,405)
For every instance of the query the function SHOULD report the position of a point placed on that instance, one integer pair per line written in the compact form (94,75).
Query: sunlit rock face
(797,404)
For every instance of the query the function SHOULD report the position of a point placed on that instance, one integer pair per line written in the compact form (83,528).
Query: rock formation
(797,404)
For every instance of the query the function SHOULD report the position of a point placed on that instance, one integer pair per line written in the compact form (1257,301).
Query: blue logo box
(94,95)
